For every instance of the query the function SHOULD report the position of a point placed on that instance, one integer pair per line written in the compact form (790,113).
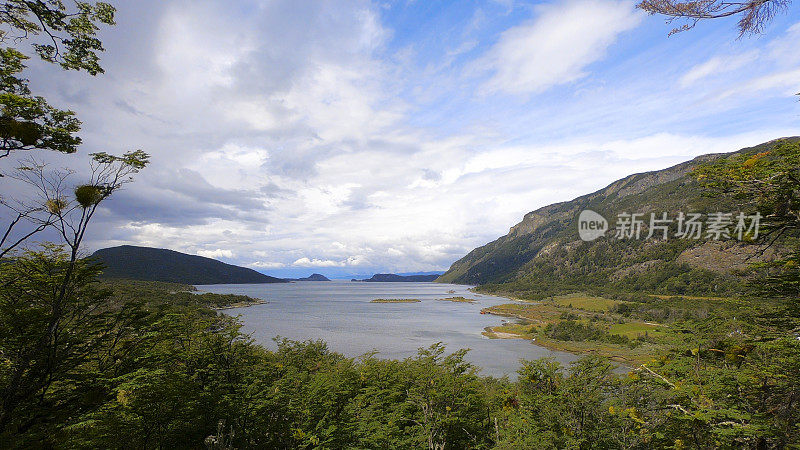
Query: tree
(754,15)
(448,406)
(58,34)
(51,318)
(69,34)
(54,206)
(51,325)
(28,122)
(772,179)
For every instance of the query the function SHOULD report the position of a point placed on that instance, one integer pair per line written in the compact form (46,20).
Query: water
(340,313)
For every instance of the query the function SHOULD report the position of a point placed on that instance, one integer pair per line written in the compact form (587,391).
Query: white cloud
(771,71)
(297,147)
(267,265)
(218,253)
(784,48)
(557,45)
(785,83)
(307,262)
(716,65)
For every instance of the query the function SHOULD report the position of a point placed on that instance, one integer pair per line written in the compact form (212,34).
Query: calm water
(340,313)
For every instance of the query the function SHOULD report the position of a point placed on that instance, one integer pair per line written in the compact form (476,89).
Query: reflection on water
(340,313)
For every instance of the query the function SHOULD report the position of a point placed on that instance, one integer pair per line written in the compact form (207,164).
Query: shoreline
(553,345)
(532,322)
(241,305)
(502,295)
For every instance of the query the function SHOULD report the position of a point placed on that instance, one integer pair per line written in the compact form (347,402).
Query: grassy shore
(243,304)
(592,325)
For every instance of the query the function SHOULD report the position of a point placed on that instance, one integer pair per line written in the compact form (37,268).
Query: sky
(356,137)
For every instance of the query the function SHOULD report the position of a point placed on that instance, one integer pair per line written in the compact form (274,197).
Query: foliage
(772,178)
(55,332)
(68,33)
(63,33)
(58,34)
(571,330)
(140,364)
(28,122)
(52,206)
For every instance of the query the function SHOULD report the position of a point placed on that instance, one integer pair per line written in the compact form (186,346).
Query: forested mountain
(158,264)
(544,255)
(391,277)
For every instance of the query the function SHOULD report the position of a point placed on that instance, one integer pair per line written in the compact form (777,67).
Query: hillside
(543,254)
(157,264)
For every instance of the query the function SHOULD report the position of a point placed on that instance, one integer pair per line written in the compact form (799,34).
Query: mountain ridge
(392,277)
(159,264)
(542,254)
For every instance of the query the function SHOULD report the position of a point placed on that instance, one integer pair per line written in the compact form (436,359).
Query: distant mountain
(543,254)
(391,277)
(433,272)
(158,264)
(313,277)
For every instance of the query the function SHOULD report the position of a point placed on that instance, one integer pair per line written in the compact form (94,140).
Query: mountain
(435,272)
(158,264)
(313,277)
(543,254)
(391,277)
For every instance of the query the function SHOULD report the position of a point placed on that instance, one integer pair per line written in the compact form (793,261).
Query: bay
(340,313)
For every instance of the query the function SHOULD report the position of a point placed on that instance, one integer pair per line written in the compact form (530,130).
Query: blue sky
(353,137)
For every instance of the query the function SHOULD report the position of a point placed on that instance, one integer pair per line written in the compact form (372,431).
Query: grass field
(597,304)
(634,329)
(645,338)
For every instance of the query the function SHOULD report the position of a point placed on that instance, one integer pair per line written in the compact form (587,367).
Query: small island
(395,300)
(313,277)
(457,300)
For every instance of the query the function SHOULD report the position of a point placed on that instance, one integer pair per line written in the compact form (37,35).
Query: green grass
(520,331)
(596,304)
(634,329)
(647,339)
(395,300)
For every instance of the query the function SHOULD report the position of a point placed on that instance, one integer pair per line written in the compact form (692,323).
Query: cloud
(786,82)
(266,265)
(734,79)
(716,65)
(306,262)
(218,253)
(557,45)
(330,134)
